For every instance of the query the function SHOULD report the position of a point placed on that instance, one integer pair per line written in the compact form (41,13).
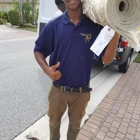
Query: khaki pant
(59,100)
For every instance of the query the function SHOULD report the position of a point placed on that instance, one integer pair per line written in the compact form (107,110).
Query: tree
(26,10)
(33,12)
(20,11)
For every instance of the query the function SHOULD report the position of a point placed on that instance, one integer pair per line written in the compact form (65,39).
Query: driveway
(7,33)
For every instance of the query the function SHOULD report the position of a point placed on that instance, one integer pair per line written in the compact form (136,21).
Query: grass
(137,59)
(30,29)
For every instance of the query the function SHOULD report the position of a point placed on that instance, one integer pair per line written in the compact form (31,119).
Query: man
(67,39)
(61,6)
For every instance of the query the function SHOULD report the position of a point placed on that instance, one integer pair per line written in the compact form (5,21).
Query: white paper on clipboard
(104,37)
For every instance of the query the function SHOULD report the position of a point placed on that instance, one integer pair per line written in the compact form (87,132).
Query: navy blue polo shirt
(70,45)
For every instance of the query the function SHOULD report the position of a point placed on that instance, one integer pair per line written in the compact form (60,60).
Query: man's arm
(111,49)
(52,71)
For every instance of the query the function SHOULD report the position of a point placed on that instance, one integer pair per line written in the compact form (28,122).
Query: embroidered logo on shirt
(88,36)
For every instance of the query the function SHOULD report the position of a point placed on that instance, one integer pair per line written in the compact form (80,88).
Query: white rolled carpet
(123,16)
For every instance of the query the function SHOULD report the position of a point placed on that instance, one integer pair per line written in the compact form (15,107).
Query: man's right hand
(53,73)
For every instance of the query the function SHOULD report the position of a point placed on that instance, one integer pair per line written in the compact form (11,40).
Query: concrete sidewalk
(118,115)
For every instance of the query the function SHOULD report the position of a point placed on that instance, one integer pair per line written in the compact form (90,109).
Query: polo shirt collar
(84,20)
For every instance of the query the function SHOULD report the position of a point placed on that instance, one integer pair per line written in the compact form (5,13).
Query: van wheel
(124,67)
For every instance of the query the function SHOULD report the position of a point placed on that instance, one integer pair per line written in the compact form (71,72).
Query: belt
(72,89)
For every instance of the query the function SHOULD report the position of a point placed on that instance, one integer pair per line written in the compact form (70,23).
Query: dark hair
(57,2)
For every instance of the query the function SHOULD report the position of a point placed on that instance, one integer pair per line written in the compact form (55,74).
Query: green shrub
(13,16)
(1,21)
(4,16)
(137,59)
(0,13)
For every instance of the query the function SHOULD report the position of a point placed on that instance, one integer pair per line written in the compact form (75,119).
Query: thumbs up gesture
(53,73)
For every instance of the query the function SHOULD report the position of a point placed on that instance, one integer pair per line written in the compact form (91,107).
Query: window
(4,8)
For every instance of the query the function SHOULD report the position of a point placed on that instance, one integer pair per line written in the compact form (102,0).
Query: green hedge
(13,16)
(1,21)
(137,59)
(0,14)
(4,16)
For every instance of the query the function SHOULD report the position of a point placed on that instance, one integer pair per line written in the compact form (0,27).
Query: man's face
(72,4)
(61,7)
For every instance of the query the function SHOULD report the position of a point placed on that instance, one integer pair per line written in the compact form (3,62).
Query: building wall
(6,7)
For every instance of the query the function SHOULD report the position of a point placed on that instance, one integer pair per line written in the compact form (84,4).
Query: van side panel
(47,10)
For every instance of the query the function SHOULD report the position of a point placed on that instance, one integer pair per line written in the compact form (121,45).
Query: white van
(47,10)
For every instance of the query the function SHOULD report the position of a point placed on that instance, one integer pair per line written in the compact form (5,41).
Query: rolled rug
(137,32)
(123,16)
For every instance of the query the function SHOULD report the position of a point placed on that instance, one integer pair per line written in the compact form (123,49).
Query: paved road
(23,94)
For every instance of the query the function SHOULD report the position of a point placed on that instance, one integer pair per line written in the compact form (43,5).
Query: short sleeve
(45,42)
